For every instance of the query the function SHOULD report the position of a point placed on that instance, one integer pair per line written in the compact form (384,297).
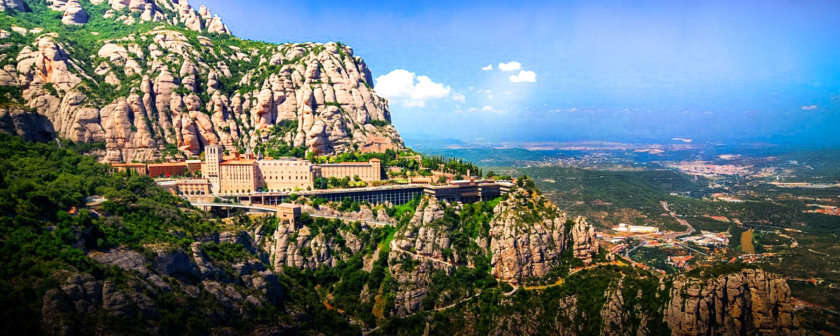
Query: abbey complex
(240,174)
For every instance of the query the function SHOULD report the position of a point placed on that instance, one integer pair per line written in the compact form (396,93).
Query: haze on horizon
(645,70)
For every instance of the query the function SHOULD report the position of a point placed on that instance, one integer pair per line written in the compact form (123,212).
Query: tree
(321,183)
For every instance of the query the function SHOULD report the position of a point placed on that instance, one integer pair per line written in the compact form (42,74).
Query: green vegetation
(379,122)
(611,197)
(654,257)
(225,252)
(544,310)
(708,224)
(718,270)
(46,226)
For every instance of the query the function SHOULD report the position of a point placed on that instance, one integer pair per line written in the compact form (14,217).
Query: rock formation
(295,245)
(6,5)
(585,243)
(425,241)
(527,236)
(72,308)
(159,89)
(746,302)
(74,14)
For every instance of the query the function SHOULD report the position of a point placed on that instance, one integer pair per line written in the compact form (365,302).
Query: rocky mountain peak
(527,236)
(585,243)
(744,302)
(152,92)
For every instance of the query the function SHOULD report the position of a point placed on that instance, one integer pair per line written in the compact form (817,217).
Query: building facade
(136,168)
(367,171)
(212,166)
(237,176)
(194,166)
(284,174)
(192,187)
(167,169)
(241,174)
(289,212)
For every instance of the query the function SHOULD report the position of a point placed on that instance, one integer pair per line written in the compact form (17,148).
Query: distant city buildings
(710,239)
(625,228)
(703,168)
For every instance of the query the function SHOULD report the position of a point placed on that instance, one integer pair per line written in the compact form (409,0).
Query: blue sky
(582,70)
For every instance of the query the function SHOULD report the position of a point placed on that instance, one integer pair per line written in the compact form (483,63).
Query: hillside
(86,250)
(150,79)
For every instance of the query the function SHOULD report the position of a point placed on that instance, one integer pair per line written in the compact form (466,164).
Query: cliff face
(745,303)
(297,246)
(209,289)
(425,243)
(527,236)
(159,87)
(585,246)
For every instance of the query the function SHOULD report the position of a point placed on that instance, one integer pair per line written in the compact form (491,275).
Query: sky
(642,70)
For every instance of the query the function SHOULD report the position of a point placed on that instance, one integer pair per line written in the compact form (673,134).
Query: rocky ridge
(295,245)
(527,236)
(237,290)
(424,240)
(164,92)
(739,303)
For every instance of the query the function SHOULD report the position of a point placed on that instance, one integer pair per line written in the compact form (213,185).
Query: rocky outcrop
(159,88)
(420,248)
(527,236)
(746,302)
(615,317)
(295,245)
(585,244)
(28,125)
(423,237)
(125,259)
(6,5)
(366,213)
(74,14)
(77,305)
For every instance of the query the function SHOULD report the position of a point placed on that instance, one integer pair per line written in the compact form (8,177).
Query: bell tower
(213,157)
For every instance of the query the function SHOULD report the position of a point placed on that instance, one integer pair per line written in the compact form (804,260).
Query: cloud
(510,66)
(524,77)
(809,107)
(488,67)
(485,108)
(409,88)
(459,97)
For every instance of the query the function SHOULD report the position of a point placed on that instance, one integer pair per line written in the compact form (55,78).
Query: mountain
(86,251)
(152,79)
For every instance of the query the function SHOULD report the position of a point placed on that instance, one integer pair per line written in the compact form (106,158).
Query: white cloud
(485,108)
(510,66)
(524,77)
(488,67)
(809,108)
(459,97)
(409,88)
